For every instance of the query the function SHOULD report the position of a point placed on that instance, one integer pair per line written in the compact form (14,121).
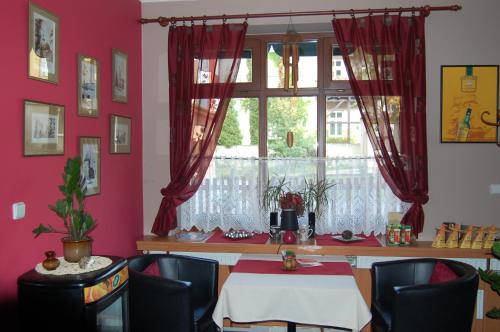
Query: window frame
(326,85)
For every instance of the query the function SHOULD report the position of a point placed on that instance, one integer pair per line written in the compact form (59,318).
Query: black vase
(312,222)
(273,219)
(289,220)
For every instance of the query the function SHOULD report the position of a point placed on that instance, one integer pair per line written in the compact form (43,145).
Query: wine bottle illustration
(464,126)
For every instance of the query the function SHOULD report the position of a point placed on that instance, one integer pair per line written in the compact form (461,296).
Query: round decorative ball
(347,235)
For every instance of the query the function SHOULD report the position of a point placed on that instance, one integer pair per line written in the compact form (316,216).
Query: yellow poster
(467,92)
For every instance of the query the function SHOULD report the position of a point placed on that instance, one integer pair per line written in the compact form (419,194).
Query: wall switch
(18,210)
(494,188)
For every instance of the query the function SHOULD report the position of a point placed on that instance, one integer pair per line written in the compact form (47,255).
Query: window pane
(363,65)
(339,71)
(296,115)
(245,70)
(345,134)
(208,71)
(308,65)
(240,132)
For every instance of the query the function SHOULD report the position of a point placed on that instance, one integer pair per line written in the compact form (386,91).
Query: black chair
(182,299)
(404,301)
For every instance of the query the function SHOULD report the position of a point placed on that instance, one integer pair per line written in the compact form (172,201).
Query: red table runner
(327,240)
(276,267)
(218,237)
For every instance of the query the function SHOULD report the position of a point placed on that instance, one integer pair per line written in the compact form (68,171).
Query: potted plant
(271,198)
(315,199)
(71,209)
(493,279)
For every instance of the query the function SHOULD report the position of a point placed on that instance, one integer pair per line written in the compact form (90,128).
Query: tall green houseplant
(71,208)
(493,279)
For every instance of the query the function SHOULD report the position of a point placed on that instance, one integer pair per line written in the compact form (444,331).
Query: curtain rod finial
(163,21)
(426,11)
(456,7)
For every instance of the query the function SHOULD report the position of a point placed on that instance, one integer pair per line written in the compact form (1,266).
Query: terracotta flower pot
(74,250)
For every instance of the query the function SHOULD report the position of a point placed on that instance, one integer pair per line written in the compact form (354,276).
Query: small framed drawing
(43,129)
(120,76)
(467,92)
(90,152)
(120,134)
(88,86)
(43,45)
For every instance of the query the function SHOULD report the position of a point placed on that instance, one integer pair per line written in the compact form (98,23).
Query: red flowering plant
(291,200)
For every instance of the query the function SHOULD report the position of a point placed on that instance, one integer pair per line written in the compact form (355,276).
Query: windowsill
(418,249)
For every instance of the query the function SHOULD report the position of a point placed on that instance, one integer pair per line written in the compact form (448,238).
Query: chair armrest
(157,302)
(387,275)
(415,307)
(203,275)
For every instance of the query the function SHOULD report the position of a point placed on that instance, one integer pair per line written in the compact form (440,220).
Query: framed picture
(43,129)
(467,92)
(43,45)
(120,134)
(120,76)
(88,86)
(90,152)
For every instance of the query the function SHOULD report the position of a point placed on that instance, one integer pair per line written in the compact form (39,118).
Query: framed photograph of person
(43,45)
(120,134)
(43,129)
(88,86)
(120,76)
(90,152)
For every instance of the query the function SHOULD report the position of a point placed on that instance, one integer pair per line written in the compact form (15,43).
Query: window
(329,142)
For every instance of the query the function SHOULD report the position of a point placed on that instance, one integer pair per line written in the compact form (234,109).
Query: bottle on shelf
(464,126)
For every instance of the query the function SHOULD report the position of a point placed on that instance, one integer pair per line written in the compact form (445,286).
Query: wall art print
(467,92)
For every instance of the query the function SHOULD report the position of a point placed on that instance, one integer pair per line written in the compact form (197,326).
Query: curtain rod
(424,10)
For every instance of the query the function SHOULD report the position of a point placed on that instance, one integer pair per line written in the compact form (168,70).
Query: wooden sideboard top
(418,249)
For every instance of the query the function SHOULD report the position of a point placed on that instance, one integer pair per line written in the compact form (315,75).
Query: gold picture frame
(467,92)
(88,86)
(43,129)
(90,152)
(119,76)
(120,134)
(43,45)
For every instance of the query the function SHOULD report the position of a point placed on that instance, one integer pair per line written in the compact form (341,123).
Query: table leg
(291,327)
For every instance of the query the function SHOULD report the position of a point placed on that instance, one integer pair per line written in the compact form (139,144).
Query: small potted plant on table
(71,209)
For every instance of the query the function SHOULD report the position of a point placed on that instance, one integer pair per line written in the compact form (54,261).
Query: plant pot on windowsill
(71,209)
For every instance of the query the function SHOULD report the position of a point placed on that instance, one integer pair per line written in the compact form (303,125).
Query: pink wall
(91,27)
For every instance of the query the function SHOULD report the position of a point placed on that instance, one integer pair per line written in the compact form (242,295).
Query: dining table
(321,291)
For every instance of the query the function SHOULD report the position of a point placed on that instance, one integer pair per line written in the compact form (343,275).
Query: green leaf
(494,313)
(61,208)
(88,225)
(41,229)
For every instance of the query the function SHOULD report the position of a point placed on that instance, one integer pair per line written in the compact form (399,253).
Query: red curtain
(203,62)
(385,60)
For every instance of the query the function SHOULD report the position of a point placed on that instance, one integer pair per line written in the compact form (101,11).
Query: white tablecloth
(328,300)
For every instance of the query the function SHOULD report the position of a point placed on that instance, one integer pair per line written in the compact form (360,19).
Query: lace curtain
(229,195)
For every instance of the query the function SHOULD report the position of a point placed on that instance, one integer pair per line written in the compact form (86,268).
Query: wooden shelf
(419,249)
